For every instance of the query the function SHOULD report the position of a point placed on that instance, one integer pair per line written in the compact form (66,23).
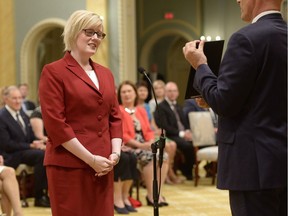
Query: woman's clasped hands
(102,165)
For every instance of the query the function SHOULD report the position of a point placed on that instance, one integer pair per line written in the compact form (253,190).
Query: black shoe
(24,203)
(164,203)
(130,208)
(121,210)
(149,203)
(42,202)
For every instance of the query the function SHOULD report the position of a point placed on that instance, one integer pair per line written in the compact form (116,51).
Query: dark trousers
(271,202)
(126,169)
(34,158)
(186,147)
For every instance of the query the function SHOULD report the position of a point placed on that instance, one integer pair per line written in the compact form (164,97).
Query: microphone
(161,141)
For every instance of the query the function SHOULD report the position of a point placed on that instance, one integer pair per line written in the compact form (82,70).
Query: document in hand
(213,51)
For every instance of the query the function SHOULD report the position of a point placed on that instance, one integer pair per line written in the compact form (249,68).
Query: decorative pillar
(125,58)
(7,44)
(100,7)
(127,40)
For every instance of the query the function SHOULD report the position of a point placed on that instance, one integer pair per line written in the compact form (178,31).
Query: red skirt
(78,192)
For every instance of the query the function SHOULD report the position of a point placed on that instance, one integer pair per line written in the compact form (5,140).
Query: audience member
(170,146)
(159,88)
(125,172)
(9,189)
(250,96)
(18,144)
(27,105)
(191,105)
(142,91)
(172,119)
(83,122)
(37,124)
(138,137)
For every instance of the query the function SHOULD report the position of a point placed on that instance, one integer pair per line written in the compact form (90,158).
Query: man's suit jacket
(72,106)
(250,97)
(166,119)
(12,138)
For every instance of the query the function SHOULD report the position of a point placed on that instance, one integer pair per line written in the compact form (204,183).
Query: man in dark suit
(250,97)
(27,105)
(18,144)
(171,118)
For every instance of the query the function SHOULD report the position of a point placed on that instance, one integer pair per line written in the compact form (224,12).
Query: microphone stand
(154,146)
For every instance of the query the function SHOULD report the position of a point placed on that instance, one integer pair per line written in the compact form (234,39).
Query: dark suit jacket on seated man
(167,119)
(18,144)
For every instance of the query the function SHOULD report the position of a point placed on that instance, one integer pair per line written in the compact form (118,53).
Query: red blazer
(72,106)
(128,126)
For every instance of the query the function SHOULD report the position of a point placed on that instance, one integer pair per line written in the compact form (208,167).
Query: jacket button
(100,134)
(100,101)
(99,117)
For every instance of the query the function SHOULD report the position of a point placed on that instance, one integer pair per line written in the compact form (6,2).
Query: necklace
(130,111)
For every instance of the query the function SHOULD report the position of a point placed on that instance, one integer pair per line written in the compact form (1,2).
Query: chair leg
(214,171)
(136,184)
(23,189)
(137,190)
(196,173)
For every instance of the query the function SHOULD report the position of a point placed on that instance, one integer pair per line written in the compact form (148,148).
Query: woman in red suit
(138,137)
(83,122)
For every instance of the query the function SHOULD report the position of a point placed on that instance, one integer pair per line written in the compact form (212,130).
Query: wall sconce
(209,38)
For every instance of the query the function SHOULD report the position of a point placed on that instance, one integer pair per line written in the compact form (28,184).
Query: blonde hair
(158,83)
(78,21)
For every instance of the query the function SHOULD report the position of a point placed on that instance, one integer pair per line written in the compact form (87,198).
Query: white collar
(171,103)
(263,14)
(11,111)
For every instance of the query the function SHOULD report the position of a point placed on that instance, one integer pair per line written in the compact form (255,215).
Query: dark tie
(179,123)
(20,123)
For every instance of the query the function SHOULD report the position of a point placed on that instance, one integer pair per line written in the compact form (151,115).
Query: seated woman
(9,189)
(37,124)
(170,146)
(142,91)
(138,137)
(124,174)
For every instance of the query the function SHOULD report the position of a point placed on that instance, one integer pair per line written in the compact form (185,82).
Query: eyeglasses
(91,32)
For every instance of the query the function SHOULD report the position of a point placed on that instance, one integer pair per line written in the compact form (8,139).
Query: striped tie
(20,123)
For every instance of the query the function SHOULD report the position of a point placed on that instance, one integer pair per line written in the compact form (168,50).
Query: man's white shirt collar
(11,111)
(263,14)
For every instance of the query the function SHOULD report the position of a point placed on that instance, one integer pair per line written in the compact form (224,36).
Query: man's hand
(188,135)
(195,56)
(38,144)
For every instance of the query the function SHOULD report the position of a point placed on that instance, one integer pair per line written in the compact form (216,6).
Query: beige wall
(7,44)
(100,7)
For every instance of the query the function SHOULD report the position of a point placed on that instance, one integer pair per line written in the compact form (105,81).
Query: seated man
(27,105)
(18,144)
(171,118)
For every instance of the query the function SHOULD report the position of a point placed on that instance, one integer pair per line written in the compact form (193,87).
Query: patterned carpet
(184,200)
